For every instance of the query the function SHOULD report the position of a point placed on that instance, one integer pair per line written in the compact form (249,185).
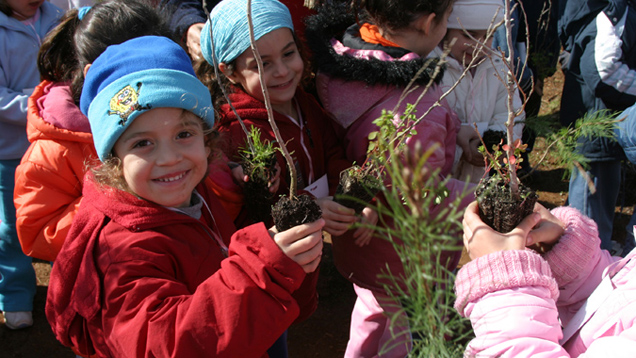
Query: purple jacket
(517,300)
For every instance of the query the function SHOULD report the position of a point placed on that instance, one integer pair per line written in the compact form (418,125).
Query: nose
(168,153)
(281,69)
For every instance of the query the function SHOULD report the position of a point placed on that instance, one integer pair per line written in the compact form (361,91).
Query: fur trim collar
(332,21)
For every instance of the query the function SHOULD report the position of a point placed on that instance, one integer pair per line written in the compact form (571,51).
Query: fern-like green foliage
(425,231)
(260,158)
(562,141)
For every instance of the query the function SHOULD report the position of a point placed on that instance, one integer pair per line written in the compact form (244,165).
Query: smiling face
(283,69)
(164,156)
(463,48)
(24,9)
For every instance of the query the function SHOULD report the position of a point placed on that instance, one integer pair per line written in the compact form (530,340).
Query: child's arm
(48,191)
(239,311)
(576,260)
(507,292)
(604,66)
(13,104)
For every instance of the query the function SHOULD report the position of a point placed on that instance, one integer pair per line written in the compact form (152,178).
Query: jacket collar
(330,24)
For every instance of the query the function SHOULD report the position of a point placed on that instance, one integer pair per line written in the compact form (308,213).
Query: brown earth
(325,334)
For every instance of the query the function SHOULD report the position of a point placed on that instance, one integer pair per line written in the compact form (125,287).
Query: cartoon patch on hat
(125,102)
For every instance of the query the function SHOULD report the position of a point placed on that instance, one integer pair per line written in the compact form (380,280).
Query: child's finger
(363,236)
(297,233)
(313,265)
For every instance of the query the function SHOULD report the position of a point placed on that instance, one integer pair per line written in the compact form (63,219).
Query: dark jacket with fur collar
(332,22)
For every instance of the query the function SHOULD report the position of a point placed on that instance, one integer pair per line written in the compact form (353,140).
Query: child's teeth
(172,179)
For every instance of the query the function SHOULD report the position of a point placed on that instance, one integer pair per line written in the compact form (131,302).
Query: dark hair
(205,73)
(73,44)
(398,14)
(4,7)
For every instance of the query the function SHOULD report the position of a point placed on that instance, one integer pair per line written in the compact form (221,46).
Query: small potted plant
(290,210)
(259,164)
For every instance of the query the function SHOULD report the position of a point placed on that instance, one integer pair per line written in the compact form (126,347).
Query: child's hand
(274,182)
(548,231)
(239,177)
(364,234)
(303,244)
(481,240)
(465,135)
(474,158)
(338,218)
(193,40)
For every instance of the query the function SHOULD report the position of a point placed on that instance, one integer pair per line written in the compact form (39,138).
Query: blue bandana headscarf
(231,31)
(134,77)
(82,11)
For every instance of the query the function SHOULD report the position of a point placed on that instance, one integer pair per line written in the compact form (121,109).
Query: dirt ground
(325,334)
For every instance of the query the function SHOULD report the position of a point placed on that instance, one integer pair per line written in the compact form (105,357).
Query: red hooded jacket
(136,279)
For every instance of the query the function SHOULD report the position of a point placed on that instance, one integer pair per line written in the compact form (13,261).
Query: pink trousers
(378,327)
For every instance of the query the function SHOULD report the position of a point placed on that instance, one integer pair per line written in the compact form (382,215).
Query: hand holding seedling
(547,232)
(338,218)
(364,233)
(240,177)
(476,158)
(465,139)
(481,240)
(302,243)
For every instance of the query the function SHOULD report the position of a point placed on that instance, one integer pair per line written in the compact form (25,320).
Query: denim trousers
(606,176)
(17,277)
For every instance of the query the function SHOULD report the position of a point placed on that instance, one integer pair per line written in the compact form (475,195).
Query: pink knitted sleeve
(502,270)
(578,244)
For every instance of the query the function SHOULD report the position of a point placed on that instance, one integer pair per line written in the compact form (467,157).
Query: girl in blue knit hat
(152,265)
(304,126)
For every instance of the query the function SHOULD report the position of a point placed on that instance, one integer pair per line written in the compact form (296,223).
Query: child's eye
(185,134)
(290,53)
(141,143)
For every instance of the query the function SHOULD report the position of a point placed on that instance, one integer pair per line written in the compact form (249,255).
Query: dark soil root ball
(258,198)
(300,210)
(498,209)
(364,188)
(492,138)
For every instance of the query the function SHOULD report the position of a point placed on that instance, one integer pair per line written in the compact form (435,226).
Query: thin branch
(217,74)
(268,104)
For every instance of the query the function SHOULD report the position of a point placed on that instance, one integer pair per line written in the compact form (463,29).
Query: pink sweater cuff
(577,245)
(499,271)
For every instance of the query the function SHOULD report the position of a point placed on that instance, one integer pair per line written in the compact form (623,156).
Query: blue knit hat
(133,77)
(230,29)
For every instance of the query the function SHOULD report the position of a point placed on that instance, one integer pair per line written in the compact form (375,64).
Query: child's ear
(425,23)
(226,71)
(86,69)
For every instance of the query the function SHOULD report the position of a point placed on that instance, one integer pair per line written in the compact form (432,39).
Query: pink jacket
(517,300)
(355,83)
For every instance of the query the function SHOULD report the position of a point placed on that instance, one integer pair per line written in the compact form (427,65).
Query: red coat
(135,279)
(321,151)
